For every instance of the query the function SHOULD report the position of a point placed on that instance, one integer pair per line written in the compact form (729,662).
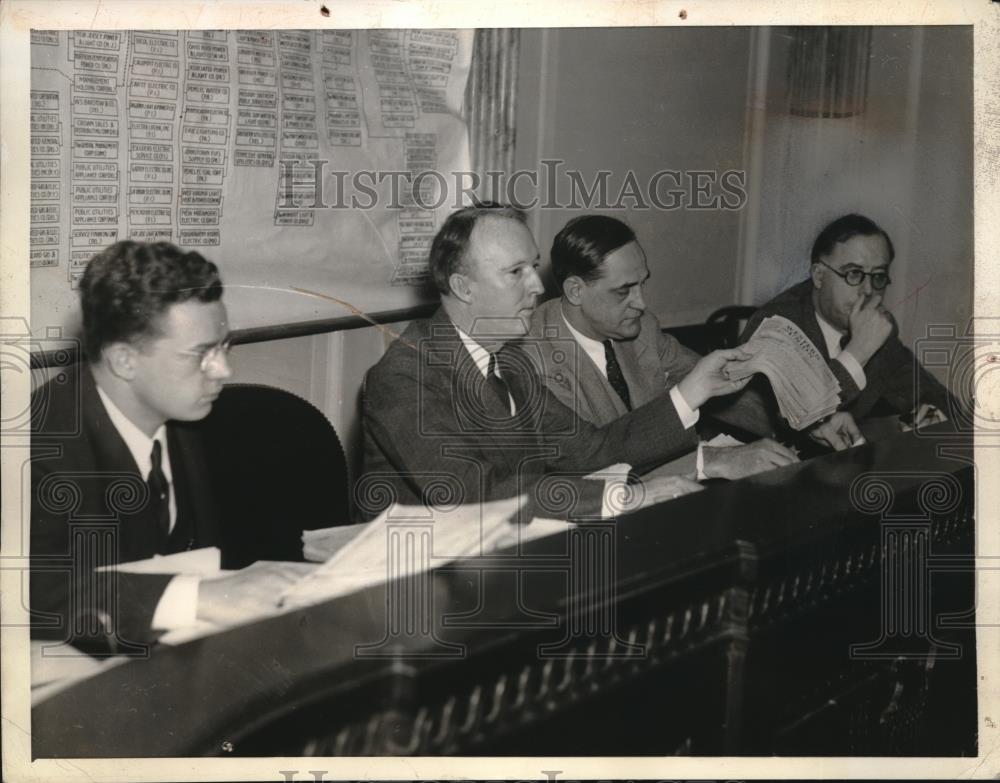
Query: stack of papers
(803,384)
(318,546)
(205,562)
(407,540)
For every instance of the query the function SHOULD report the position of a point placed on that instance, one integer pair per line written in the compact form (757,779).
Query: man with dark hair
(109,449)
(455,406)
(839,308)
(618,357)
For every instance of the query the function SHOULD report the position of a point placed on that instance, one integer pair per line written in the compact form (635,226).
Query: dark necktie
(159,492)
(615,377)
(496,382)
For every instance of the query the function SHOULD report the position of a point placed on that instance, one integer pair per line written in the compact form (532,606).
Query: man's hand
(839,432)
(926,415)
(710,377)
(870,325)
(735,462)
(657,490)
(249,593)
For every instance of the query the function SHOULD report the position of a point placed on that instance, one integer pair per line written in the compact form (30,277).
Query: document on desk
(407,540)
(195,562)
(803,384)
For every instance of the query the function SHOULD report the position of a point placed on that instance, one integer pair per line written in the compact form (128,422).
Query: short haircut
(583,244)
(451,243)
(844,228)
(128,285)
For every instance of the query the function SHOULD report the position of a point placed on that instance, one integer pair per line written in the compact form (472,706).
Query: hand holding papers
(318,546)
(711,377)
(247,594)
(224,597)
(803,384)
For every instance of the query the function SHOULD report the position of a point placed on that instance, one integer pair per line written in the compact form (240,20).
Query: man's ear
(460,286)
(120,359)
(816,273)
(573,289)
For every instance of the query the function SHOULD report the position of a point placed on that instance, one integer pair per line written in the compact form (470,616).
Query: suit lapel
(194,524)
(139,535)
(595,387)
(462,378)
(595,400)
(809,323)
(109,449)
(632,358)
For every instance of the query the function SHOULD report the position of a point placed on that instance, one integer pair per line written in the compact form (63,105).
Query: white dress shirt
(178,606)
(482,359)
(832,336)
(612,485)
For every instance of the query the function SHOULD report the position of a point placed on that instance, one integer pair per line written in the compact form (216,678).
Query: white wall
(906,162)
(643,100)
(633,98)
(646,99)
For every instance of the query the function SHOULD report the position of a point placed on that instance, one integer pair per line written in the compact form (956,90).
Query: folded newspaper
(803,384)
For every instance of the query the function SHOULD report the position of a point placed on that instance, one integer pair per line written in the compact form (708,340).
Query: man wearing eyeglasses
(840,309)
(110,448)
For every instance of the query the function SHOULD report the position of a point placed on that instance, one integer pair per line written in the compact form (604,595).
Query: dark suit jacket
(89,509)
(428,435)
(652,363)
(890,373)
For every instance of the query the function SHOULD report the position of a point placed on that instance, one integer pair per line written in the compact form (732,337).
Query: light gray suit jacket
(652,363)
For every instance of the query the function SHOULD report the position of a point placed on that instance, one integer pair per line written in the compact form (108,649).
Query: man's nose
(535,283)
(219,368)
(636,300)
(866,285)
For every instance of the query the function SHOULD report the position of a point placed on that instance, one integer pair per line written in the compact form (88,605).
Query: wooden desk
(718,623)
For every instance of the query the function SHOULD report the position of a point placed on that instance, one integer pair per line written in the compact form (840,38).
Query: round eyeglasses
(855,277)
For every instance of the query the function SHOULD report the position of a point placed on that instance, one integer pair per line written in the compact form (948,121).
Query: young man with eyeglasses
(113,460)
(840,309)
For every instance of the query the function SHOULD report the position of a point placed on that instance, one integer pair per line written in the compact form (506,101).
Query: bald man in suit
(455,402)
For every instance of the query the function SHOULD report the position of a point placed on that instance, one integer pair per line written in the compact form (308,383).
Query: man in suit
(454,411)
(839,308)
(116,475)
(603,353)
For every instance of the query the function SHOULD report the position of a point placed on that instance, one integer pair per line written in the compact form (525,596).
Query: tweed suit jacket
(652,363)
(427,430)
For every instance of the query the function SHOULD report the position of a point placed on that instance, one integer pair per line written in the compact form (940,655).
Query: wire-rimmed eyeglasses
(212,354)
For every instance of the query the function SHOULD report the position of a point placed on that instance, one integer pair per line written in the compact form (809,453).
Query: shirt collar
(593,348)
(479,354)
(140,445)
(831,335)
